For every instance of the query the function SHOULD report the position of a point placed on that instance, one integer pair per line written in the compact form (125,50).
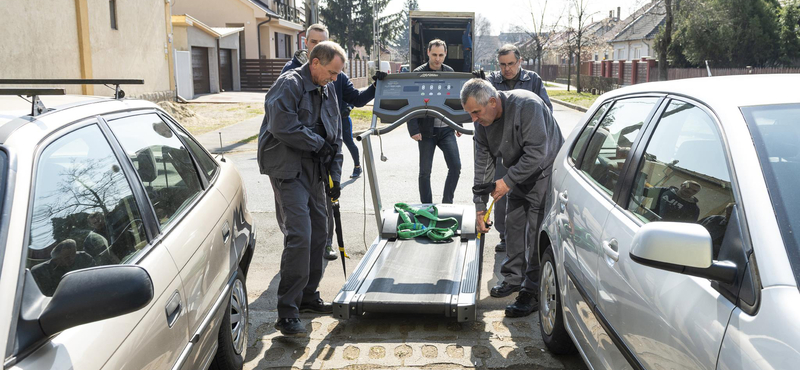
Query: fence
(630,72)
(549,72)
(260,74)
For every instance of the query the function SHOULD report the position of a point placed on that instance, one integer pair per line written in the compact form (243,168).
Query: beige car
(123,243)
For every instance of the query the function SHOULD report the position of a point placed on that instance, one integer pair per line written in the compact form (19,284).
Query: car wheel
(233,330)
(551,315)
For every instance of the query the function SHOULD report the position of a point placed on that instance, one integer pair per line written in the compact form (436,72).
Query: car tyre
(234,328)
(551,314)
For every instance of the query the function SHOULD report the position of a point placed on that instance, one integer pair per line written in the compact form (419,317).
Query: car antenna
(221,152)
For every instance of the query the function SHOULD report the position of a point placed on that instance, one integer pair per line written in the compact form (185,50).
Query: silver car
(123,243)
(671,239)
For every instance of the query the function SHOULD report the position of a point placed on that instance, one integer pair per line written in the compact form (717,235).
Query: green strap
(410,229)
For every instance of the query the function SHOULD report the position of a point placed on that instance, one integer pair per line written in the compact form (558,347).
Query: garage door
(225,69)
(200,70)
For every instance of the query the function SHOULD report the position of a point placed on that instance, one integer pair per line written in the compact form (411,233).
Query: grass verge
(583,99)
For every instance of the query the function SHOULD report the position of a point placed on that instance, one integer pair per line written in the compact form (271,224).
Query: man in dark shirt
(299,143)
(516,126)
(431,132)
(347,96)
(512,76)
(674,204)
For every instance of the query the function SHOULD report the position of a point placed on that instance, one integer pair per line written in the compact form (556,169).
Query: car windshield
(776,134)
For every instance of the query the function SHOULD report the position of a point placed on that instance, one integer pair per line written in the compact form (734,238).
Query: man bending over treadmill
(299,143)
(518,127)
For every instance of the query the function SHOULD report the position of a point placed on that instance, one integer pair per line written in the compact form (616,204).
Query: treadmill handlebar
(415,114)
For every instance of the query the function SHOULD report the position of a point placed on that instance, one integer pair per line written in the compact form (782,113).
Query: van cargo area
(446,26)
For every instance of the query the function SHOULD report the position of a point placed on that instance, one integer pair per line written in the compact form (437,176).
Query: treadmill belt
(414,271)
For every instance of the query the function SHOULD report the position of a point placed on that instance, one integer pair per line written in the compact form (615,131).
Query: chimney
(618,11)
(610,14)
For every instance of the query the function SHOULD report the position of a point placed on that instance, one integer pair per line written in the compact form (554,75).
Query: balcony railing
(289,13)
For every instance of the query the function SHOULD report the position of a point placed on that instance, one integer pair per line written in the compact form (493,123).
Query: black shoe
(503,290)
(291,327)
(525,305)
(318,306)
(330,253)
(500,247)
(356,172)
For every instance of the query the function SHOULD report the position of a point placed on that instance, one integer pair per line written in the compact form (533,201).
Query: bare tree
(581,37)
(485,46)
(540,33)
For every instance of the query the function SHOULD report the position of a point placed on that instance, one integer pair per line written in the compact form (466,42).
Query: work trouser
(445,139)
(500,205)
(302,211)
(524,216)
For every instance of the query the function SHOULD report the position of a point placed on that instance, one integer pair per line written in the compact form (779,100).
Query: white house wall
(629,50)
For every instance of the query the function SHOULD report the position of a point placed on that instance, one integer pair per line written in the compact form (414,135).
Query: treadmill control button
(423,87)
(440,87)
(438,93)
(431,87)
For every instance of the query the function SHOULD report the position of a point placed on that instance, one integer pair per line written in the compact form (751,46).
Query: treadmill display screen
(410,88)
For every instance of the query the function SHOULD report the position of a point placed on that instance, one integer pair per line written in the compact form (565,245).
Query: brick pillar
(621,72)
(634,72)
(650,65)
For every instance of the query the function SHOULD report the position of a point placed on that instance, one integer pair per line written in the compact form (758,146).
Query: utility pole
(312,12)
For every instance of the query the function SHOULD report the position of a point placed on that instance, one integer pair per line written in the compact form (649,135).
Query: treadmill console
(402,93)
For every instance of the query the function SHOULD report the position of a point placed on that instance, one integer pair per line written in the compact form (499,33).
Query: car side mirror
(685,248)
(96,294)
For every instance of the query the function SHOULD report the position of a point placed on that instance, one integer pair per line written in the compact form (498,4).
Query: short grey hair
(479,89)
(325,51)
(507,49)
(437,42)
(319,27)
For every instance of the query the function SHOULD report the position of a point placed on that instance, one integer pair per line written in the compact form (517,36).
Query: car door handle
(226,232)
(611,249)
(173,308)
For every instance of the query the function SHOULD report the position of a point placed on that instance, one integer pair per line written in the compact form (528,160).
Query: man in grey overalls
(299,143)
(511,76)
(518,127)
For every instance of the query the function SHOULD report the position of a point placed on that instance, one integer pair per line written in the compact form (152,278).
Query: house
(205,57)
(83,39)
(637,38)
(270,28)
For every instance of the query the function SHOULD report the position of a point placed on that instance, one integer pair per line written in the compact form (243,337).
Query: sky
(506,13)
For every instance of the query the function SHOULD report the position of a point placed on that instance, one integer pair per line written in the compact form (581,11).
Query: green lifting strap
(411,229)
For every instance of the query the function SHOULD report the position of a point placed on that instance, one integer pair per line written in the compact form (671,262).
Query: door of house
(225,69)
(283,45)
(200,74)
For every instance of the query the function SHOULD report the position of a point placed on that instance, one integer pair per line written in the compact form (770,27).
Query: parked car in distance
(670,240)
(124,244)
(404,68)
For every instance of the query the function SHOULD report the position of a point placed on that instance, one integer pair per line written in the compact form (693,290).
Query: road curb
(569,105)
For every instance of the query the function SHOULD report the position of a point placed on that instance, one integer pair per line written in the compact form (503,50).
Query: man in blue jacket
(511,76)
(347,96)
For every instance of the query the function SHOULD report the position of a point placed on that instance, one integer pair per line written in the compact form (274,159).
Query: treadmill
(415,275)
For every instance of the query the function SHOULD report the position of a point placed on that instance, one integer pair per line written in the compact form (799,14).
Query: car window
(207,164)
(164,165)
(684,176)
(576,150)
(776,135)
(84,212)
(611,142)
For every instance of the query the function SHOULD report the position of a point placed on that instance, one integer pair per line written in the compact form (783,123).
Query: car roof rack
(37,107)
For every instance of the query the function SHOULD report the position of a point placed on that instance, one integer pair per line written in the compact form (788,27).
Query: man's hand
(458,134)
(500,189)
(417,137)
(335,191)
(481,226)
(479,74)
(325,151)
(379,75)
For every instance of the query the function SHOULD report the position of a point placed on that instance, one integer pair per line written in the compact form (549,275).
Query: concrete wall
(41,41)
(137,49)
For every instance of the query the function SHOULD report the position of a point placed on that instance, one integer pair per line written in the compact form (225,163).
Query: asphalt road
(388,341)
